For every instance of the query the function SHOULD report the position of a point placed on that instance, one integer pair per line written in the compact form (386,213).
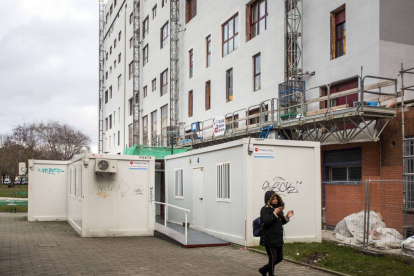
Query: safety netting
(157,151)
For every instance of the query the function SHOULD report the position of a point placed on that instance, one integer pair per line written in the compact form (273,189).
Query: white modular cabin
(115,198)
(223,186)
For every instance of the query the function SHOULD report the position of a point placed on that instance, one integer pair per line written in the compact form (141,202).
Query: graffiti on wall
(281,185)
(124,189)
(50,170)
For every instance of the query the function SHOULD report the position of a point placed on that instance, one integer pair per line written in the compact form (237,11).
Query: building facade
(232,57)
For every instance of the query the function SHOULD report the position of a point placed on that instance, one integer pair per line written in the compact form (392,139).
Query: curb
(303,264)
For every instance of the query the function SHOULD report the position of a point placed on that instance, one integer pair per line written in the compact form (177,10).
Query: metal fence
(373,214)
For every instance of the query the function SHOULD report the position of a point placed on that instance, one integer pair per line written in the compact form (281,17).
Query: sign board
(138,165)
(264,152)
(219,125)
(195,126)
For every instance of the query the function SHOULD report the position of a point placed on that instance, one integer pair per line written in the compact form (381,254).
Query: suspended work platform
(361,119)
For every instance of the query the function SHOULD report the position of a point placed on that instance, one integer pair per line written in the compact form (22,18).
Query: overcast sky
(49,63)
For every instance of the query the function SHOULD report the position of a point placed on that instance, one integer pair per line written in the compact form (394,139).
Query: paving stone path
(54,248)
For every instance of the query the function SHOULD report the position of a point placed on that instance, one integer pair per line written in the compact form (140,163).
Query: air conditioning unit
(106,165)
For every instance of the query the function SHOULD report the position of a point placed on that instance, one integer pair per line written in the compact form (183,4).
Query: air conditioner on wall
(106,165)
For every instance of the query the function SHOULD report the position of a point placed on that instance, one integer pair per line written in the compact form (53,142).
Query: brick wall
(380,161)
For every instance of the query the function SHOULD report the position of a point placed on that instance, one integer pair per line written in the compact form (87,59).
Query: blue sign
(195,126)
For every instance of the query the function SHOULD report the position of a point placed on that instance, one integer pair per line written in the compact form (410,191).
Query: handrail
(166,217)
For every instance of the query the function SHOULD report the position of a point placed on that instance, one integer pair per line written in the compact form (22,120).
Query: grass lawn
(346,259)
(6,192)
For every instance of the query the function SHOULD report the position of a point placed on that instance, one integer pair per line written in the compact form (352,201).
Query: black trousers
(275,255)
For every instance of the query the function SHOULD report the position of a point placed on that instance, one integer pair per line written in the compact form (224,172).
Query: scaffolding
(293,39)
(174,60)
(136,75)
(101,71)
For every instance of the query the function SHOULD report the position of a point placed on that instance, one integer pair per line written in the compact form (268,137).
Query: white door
(198,200)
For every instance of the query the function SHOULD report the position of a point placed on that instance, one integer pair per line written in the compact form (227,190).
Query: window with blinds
(178,183)
(223,181)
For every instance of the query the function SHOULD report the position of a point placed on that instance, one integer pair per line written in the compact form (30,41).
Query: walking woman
(273,219)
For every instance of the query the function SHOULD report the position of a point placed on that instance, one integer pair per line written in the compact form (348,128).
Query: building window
(258,18)
(145,54)
(107,16)
(191,9)
(254,115)
(110,121)
(345,101)
(178,184)
(190,59)
(190,103)
(145,91)
(208,95)
(230,31)
(164,2)
(110,91)
(119,58)
(110,144)
(119,36)
(131,18)
(106,75)
(106,96)
(106,124)
(343,166)
(114,64)
(119,82)
(164,122)
(106,55)
(130,106)
(164,82)
(153,127)
(111,9)
(130,135)
(114,3)
(110,50)
(131,69)
(208,58)
(164,35)
(257,72)
(154,84)
(145,130)
(145,28)
(110,70)
(114,43)
(231,122)
(154,12)
(223,181)
(229,85)
(119,138)
(338,33)
(131,42)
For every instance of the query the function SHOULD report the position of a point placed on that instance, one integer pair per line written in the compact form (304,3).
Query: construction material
(321,111)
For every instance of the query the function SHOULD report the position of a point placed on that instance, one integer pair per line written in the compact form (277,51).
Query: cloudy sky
(49,63)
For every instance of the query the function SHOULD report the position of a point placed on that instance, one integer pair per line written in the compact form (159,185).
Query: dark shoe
(263,270)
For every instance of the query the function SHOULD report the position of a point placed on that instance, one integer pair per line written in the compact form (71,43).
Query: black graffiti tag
(280,185)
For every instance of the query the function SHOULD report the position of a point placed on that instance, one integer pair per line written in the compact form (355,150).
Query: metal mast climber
(174,57)
(293,39)
(136,100)
(101,71)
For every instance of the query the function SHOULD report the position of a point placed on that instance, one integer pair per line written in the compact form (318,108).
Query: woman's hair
(279,200)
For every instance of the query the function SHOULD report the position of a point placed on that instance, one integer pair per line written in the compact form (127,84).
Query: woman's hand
(290,214)
(278,210)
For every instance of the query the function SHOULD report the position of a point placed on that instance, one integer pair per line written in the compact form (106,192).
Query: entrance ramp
(182,233)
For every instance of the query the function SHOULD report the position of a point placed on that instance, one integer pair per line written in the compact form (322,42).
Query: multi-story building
(232,56)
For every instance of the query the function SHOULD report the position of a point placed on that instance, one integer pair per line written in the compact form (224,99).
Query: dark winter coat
(272,226)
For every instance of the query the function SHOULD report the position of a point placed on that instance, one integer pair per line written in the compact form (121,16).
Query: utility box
(224,186)
(99,195)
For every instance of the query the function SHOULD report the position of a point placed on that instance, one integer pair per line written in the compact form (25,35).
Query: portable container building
(99,195)
(224,185)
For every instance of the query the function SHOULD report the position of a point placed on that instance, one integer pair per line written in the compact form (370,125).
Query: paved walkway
(54,248)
